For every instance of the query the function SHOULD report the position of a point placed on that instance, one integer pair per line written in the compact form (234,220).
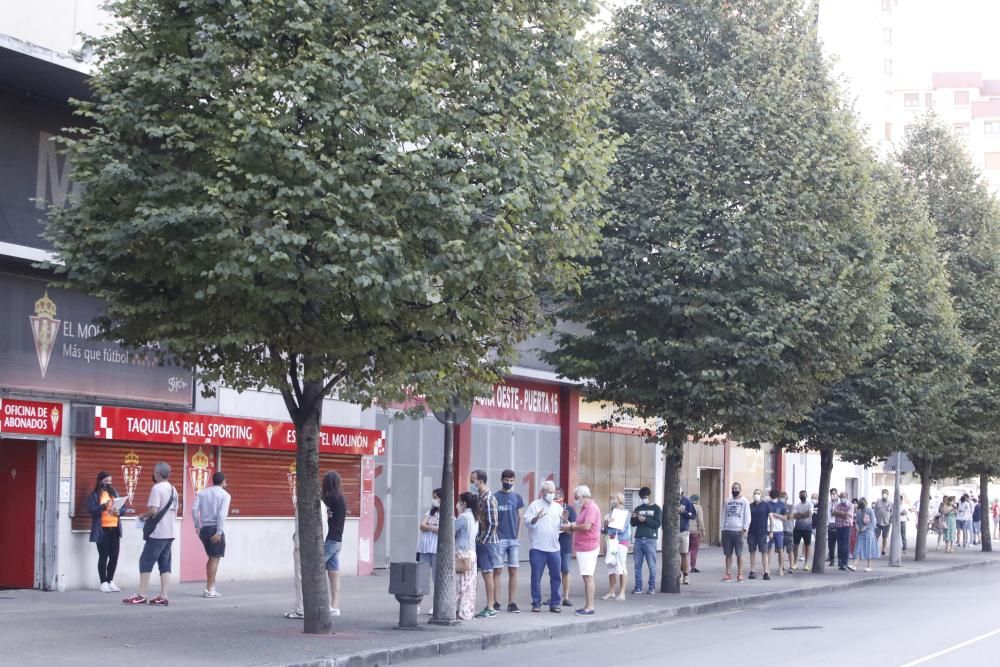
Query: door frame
(712,518)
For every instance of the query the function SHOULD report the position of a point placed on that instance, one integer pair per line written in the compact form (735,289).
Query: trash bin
(409,582)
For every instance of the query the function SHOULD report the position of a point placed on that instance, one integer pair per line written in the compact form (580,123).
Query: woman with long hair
(427,542)
(867,546)
(466,529)
(105,530)
(336,514)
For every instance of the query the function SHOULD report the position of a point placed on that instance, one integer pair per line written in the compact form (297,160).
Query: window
(887,36)
(992,160)
(962,129)
(911,100)
(961,98)
(991,127)
(887,67)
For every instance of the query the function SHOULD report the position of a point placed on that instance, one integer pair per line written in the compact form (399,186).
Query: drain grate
(799,627)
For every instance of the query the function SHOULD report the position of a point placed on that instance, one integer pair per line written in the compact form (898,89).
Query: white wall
(51,24)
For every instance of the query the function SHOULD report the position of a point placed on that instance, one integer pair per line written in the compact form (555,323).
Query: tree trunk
(315,585)
(822,515)
(444,577)
(670,581)
(984,512)
(924,468)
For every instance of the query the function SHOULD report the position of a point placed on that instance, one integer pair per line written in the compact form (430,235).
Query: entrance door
(18,481)
(711,502)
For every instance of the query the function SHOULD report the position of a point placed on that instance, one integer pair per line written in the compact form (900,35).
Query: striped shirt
(489,519)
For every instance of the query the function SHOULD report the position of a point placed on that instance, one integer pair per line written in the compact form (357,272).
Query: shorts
(509,553)
(155,550)
(788,541)
(757,543)
(489,557)
(684,542)
(881,530)
(331,552)
(732,542)
(212,549)
(567,558)
(586,562)
(777,541)
(803,535)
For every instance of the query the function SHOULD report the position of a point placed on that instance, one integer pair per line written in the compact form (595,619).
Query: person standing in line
(977,519)
(843,517)
(964,524)
(735,523)
(565,544)
(105,530)
(788,537)
(995,513)
(617,572)
(950,513)
(698,533)
(489,555)
(587,544)
(831,527)
(336,515)
(466,529)
(776,544)
(867,546)
(646,519)
(759,532)
(509,504)
(687,512)
(427,541)
(211,507)
(299,611)
(883,518)
(802,513)
(542,521)
(904,518)
(161,513)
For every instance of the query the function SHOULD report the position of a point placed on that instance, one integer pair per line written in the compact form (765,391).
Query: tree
(904,395)
(968,224)
(350,196)
(739,269)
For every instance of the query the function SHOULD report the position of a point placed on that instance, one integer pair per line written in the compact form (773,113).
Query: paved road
(942,620)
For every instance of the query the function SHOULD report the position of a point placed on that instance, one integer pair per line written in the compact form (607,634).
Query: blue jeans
(645,551)
(843,543)
(540,560)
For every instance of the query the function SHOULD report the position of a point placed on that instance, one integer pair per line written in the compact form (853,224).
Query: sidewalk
(246,626)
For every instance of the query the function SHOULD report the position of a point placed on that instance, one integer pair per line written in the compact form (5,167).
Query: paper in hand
(119,503)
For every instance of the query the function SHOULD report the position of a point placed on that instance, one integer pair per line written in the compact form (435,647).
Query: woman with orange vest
(105,530)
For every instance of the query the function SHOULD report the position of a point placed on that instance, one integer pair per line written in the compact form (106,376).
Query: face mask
(843,499)
(802,498)
(756,497)
(736,493)
(885,496)
(549,497)
(105,485)
(578,503)
(643,501)
(474,487)
(435,502)
(459,508)
(507,486)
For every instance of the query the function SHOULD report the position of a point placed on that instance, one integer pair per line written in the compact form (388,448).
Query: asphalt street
(941,620)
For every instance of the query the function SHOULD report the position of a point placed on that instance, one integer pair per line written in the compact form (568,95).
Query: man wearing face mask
(735,523)
(802,514)
(831,528)
(758,533)
(543,520)
(488,557)
(843,518)
(646,519)
(883,518)
(509,504)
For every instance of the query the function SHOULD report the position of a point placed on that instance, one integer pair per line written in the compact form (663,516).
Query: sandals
(295,614)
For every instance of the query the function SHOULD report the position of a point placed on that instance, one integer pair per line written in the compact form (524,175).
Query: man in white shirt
(161,511)
(211,506)
(735,522)
(543,520)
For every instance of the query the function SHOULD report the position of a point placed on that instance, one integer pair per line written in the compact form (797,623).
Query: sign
(525,402)
(136,425)
(48,343)
(30,417)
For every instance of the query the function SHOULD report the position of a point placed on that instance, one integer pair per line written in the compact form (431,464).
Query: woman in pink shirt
(586,542)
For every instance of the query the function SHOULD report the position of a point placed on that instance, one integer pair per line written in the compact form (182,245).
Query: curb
(484,641)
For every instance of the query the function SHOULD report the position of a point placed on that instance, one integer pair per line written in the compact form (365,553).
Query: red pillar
(569,438)
(463,455)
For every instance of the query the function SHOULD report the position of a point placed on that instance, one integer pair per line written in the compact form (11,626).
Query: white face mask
(549,497)
(459,508)
(435,502)
(756,497)
(643,501)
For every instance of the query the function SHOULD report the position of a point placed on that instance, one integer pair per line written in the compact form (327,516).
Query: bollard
(409,583)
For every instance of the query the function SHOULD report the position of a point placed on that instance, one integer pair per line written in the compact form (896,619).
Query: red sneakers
(159,601)
(135,599)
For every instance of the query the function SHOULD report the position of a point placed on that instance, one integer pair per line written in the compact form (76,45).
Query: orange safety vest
(108,520)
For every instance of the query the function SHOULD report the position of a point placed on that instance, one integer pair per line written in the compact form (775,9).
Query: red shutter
(258,481)
(94,457)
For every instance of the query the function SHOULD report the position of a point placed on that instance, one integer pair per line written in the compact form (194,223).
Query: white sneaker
(211,593)
(334,611)
(112,587)
(104,587)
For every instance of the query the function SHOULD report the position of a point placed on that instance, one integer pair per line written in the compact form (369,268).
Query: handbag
(463,563)
(152,522)
(611,557)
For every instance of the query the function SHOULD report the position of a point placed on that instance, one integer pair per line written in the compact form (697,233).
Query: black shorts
(213,549)
(802,535)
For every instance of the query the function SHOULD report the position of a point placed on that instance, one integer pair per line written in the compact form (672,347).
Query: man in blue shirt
(509,504)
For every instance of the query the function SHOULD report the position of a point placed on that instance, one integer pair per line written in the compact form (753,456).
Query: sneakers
(159,601)
(512,608)
(636,591)
(486,613)
(537,608)
(609,596)
(767,576)
(115,589)
(584,612)
(104,587)
(334,611)
(684,580)
(621,596)
(752,575)
(567,603)
(695,570)
(728,577)
(135,599)
(651,591)
(211,593)
(555,610)
(496,606)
